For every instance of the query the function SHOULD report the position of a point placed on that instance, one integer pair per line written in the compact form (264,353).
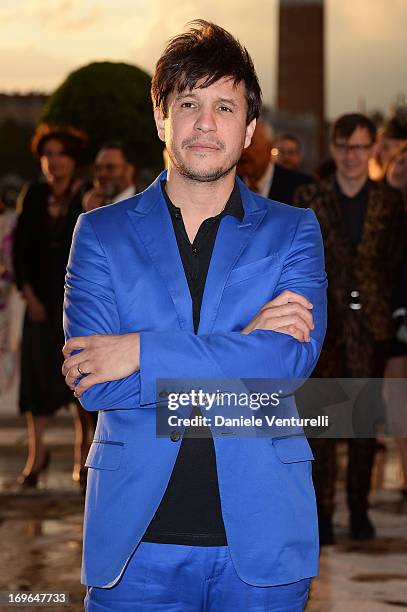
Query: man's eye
(225,109)
(187,104)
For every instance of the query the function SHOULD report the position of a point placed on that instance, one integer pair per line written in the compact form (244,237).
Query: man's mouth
(203,146)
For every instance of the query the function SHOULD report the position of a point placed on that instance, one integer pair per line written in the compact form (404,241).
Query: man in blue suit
(195,277)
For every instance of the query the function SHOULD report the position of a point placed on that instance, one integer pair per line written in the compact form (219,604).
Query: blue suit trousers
(178,578)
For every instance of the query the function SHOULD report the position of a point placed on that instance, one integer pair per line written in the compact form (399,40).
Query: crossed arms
(283,340)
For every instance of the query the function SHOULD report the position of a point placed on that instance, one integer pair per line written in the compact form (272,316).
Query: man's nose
(206,120)
(351,154)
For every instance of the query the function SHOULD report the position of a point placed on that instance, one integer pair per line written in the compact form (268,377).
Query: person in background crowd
(262,175)
(396,175)
(113,177)
(395,391)
(7,231)
(392,136)
(362,228)
(287,151)
(49,210)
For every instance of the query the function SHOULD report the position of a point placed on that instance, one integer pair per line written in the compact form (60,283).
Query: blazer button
(175,436)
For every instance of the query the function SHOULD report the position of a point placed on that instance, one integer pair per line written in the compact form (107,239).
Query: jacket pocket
(261,266)
(292,449)
(105,455)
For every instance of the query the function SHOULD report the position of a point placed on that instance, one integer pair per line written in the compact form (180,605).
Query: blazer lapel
(372,223)
(336,233)
(152,222)
(232,238)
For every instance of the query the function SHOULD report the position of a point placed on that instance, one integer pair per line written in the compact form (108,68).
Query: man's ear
(249,133)
(159,121)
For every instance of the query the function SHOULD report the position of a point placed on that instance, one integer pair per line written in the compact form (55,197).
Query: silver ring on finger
(80,371)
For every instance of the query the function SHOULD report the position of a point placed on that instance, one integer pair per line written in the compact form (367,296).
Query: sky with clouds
(42,40)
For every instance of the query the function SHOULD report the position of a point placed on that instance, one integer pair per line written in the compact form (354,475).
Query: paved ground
(40,535)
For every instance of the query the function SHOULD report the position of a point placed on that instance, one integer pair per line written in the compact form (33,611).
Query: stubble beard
(208,175)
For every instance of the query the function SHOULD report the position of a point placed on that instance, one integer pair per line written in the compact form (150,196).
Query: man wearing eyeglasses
(113,177)
(362,228)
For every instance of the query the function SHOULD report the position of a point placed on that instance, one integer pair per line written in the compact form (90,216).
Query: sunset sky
(43,40)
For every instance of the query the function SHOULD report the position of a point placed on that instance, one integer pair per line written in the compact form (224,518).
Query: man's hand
(289,313)
(103,358)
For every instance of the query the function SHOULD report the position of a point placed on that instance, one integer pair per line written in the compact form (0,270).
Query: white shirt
(127,193)
(264,183)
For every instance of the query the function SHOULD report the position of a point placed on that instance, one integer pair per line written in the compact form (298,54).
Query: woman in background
(49,210)
(392,135)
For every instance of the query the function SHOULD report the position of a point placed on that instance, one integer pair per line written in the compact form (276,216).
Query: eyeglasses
(106,167)
(343,147)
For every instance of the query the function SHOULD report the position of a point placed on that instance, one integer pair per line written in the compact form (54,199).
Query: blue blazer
(125,275)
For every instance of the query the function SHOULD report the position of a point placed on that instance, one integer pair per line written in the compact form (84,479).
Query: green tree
(109,101)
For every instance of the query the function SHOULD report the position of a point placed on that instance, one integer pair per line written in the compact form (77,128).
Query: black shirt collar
(234,205)
(360,194)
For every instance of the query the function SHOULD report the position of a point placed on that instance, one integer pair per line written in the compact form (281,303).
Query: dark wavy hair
(204,54)
(72,140)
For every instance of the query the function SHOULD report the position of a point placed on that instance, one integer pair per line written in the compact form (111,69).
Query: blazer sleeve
(260,354)
(90,308)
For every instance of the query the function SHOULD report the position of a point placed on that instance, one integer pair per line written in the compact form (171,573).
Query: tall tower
(301,60)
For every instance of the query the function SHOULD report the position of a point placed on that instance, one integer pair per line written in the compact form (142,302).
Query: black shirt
(354,212)
(190,511)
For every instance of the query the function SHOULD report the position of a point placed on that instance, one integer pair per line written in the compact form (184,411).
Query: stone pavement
(40,535)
